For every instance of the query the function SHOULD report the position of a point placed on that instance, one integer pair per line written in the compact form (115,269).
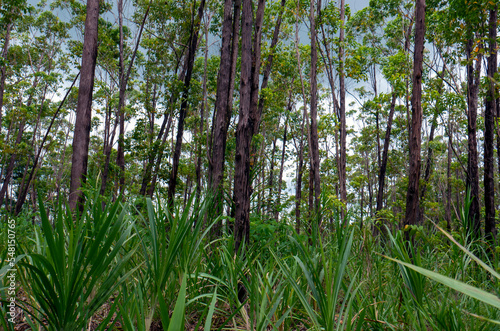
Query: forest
(249,165)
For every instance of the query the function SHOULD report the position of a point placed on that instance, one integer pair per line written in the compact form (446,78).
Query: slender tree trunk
(81,136)
(315,162)
(202,117)
(193,43)
(385,158)
(489,119)
(120,157)
(270,182)
(472,183)
(298,190)
(448,177)
(412,196)
(159,157)
(277,206)
(343,128)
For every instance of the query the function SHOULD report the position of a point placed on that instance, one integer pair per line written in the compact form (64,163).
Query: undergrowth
(145,266)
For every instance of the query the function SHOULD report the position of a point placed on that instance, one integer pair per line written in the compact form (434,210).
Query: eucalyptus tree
(81,136)
(249,89)
(314,10)
(491,109)
(224,100)
(412,196)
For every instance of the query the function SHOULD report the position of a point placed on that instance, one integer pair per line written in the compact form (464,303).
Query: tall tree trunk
(489,119)
(448,177)
(243,133)
(250,67)
(81,136)
(277,206)
(315,165)
(412,196)
(202,117)
(383,164)
(224,102)
(343,128)
(120,157)
(193,43)
(472,183)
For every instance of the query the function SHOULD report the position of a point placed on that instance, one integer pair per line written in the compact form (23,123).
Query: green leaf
(208,322)
(457,285)
(177,320)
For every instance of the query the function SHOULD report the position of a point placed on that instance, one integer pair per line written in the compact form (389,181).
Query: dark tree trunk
(315,165)
(472,183)
(120,158)
(250,68)
(224,102)
(448,177)
(193,43)
(159,157)
(81,136)
(385,158)
(489,120)
(243,134)
(277,206)
(270,182)
(412,196)
(343,128)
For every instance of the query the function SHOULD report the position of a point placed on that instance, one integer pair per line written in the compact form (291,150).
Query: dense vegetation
(249,164)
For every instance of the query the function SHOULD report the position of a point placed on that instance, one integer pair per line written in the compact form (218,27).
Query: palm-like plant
(80,261)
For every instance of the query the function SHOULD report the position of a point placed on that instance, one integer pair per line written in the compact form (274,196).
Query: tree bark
(120,157)
(81,136)
(315,162)
(224,102)
(412,196)
(343,128)
(243,134)
(489,123)
(472,183)
(250,68)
